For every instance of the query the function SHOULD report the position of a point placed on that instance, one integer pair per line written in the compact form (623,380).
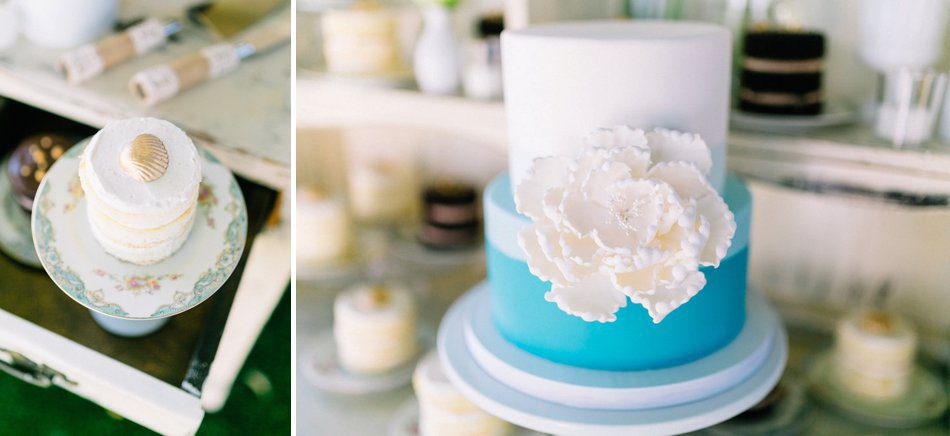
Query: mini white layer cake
(324,234)
(443,411)
(383,192)
(874,354)
(138,221)
(360,41)
(375,328)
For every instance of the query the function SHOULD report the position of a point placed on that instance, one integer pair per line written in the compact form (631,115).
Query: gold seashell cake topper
(145,159)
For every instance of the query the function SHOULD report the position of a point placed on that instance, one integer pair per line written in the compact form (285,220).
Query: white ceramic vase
(436,60)
(66,23)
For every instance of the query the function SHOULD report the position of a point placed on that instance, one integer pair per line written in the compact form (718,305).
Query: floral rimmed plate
(82,268)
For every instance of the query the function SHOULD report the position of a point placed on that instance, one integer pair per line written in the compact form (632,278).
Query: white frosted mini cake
(375,328)
(874,354)
(141,178)
(443,410)
(324,236)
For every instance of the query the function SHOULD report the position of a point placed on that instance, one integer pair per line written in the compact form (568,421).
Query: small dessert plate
(16,239)
(104,284)
(322,368)
(924,401)
(836,113)
(405,422)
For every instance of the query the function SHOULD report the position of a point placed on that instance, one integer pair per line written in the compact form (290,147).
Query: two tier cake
(585,265)
(141,178)
(617,244)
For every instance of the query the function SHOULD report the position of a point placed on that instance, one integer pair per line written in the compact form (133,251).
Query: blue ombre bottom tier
(706,323)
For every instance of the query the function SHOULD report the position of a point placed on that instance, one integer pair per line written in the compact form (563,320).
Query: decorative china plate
(82,268)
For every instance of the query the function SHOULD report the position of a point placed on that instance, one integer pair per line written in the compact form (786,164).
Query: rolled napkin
(874,354)
(375,328)
(161,82)
(90,60)
(141,178)
(443,411)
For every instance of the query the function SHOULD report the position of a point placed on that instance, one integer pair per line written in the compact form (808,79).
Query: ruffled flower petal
(598,184)
(722,228)
(668,296)
(672,146)
(580,250)
(539,264)
(581,216)
(593,299)
(545,173)
(684,178)
(618,136)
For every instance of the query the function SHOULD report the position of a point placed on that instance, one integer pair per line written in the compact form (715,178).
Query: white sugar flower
(632,216)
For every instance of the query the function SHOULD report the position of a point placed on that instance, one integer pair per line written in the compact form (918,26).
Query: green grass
(26,409)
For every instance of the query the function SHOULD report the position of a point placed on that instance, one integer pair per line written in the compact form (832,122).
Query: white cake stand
(545,396)
(127,299)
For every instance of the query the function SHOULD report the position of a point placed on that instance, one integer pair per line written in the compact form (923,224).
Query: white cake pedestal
(545,396)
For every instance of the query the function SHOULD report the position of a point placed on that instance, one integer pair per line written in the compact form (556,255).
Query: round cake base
(553,398)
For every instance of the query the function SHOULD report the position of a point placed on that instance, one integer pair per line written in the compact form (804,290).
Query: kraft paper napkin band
(91,60)
(162,82)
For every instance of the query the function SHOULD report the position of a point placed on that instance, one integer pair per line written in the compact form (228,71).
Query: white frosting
(374,337)
(632,216)
(140,238)
(874,354)
(443,410)
(141,255)
(563,80)
(173,193)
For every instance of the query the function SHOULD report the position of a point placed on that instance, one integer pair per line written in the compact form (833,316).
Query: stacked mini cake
(443,410)
(140,177)
(375,329)
(451,216)
(781,72)
(324,236)
(874,354)
(361,40)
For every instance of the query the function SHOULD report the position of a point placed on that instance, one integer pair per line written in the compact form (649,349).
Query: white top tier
(174,192)
(564,80)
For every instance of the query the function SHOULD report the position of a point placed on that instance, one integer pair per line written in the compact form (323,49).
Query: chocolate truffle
(30,162)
